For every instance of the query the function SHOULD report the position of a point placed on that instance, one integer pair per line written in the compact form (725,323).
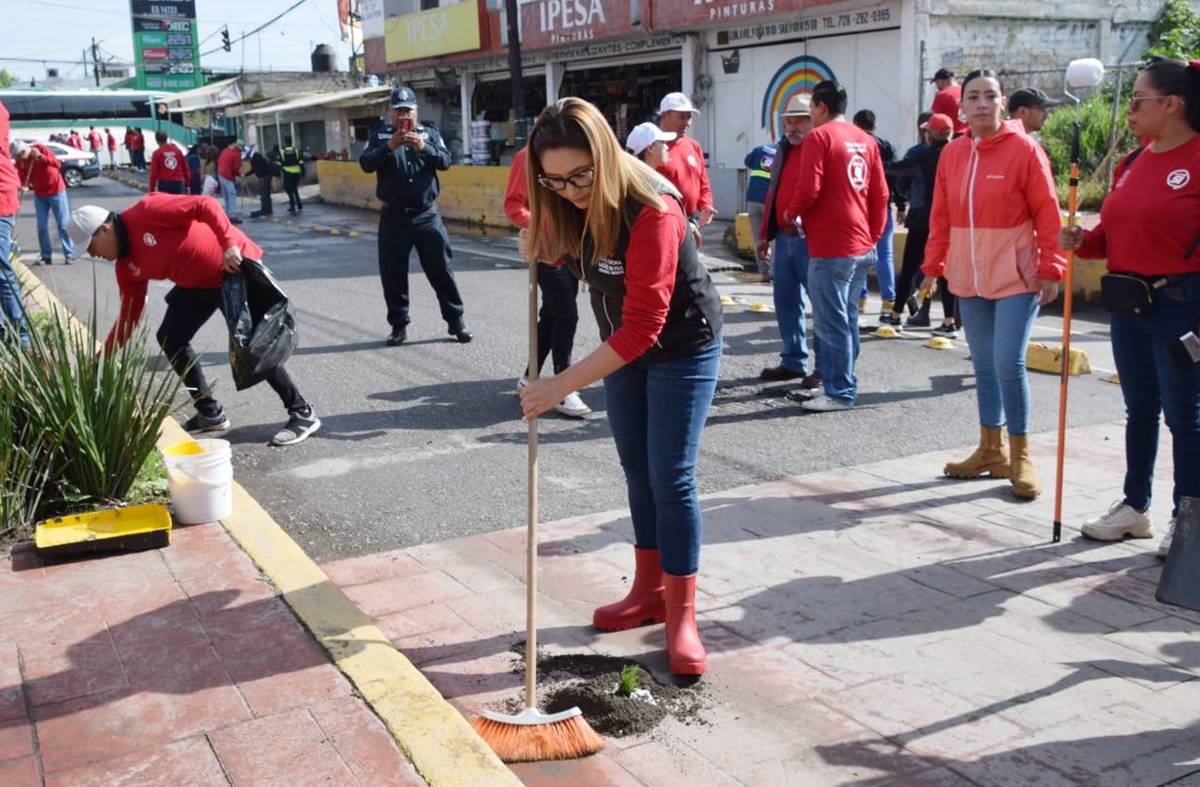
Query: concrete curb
(442,746)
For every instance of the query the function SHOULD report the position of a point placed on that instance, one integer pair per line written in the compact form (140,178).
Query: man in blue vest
(759,162)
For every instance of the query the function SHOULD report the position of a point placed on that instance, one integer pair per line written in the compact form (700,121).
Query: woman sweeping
(622,229)
(993,235)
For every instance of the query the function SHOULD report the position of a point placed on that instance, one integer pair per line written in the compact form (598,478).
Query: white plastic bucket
(201,484)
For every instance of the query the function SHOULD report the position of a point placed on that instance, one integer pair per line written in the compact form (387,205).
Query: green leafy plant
(1176,32)
(630,680)
(23,470)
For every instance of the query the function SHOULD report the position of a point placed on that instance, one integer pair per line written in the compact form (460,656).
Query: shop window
(625,94)
(311,137)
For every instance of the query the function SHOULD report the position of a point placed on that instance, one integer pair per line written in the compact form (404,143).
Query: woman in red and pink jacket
(993,236)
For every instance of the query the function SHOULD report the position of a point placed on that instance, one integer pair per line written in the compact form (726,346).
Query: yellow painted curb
(442,746)
(1043,358)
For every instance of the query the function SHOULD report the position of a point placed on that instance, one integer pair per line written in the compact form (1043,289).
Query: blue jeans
(1152,381)
(998,333)
(229,196)
(62,213)
(885,264)
(834,282)
(11,305)
(790,280)
(657,414)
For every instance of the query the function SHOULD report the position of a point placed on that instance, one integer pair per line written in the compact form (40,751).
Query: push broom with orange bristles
(531,735)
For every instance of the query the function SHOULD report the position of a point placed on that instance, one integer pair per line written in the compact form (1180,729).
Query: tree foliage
(1176,32)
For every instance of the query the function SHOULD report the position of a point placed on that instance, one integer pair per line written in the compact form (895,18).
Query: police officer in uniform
(405,156)
(293,170)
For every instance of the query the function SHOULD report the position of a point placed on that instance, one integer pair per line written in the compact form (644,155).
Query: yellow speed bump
(727,301)
(352,234)
(335,231)
(939,343)
(762,307)
(886,332)
(1043,358)
(1113,378)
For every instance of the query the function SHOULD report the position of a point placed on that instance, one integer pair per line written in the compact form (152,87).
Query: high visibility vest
(291,161)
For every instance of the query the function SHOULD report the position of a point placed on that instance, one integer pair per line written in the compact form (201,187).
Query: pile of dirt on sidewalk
(590,683)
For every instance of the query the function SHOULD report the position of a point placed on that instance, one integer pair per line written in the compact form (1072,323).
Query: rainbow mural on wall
(798,75)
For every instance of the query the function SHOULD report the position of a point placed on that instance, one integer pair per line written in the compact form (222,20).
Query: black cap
(1030,97)
(942,73)
(403,96)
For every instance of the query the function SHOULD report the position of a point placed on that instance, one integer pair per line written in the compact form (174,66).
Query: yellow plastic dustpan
(146,526)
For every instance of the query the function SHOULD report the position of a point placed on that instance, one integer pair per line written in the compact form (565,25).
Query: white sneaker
(825,404)
(573,407)
(1164,546)
(522,381)
(1121,520)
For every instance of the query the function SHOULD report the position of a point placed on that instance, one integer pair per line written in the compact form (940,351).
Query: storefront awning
(351,98)
(215,95)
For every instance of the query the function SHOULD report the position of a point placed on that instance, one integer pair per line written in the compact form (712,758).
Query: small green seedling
(631,680)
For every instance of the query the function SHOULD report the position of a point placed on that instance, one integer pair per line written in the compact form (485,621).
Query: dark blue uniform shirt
(405,178)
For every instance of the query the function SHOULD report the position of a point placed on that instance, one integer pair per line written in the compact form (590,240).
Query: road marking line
(442,746)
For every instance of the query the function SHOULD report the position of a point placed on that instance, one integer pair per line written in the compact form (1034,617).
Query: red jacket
(993,228)
(112,142)
(1151,219)
(842,193)
(169,163)
(95,140)
(44,175)
(129,140)
(948,102)
(174,237)
(516,193)
(137,141)
(10,182)
(229,163)
(75,141)
(685,168)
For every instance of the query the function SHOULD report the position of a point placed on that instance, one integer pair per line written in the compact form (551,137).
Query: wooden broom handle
(532,508)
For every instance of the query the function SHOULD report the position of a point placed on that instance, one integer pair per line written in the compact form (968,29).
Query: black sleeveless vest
(694,316)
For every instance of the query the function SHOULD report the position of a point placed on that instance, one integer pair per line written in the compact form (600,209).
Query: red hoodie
(993,228)
(169,163)
(229,163)
(685,168)
(10,182)
(46,178)
(516,193)
(948,102)
(842,194)
(175,237)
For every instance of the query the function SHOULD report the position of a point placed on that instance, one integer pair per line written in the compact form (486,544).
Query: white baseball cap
(83,224)
(676,102)
(646,134)
(17,147)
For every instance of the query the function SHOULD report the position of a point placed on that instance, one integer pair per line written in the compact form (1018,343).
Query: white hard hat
(83,224)
(646,134)
(676,102)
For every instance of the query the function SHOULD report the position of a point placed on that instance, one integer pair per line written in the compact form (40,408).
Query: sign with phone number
(877,17)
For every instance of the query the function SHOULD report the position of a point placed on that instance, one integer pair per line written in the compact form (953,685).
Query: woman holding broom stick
(1149,231)
(622,230)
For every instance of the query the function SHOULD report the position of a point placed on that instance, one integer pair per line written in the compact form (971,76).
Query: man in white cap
(190,242)
(790,258)
(40,170)
(685,167)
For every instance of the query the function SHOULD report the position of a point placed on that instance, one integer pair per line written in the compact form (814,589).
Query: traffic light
(225,40)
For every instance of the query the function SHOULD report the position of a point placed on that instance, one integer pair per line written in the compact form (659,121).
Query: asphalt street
(424,442)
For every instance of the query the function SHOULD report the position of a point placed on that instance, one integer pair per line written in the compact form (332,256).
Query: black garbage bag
(262,325)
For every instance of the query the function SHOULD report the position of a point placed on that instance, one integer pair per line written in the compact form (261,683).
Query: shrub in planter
(23,469)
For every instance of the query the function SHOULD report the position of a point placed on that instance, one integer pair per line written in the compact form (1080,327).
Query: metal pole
(516,77)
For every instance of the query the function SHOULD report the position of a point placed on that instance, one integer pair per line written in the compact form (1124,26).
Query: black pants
(187,310)
(914,255)
(170,187)
(558,316)
(264,196)
(291,184)
(399,233)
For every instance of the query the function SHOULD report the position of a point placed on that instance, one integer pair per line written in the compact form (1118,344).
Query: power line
(260,28)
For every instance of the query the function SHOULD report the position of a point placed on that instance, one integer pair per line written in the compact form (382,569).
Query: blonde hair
(556,226)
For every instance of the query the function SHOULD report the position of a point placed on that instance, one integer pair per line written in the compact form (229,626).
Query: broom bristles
(560,740)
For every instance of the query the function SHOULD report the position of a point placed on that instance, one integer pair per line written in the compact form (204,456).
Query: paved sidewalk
(869,625)
(173,666)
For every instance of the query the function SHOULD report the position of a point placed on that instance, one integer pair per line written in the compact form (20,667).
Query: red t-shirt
(789,176)
(516,192)
(175,237)
(168,163)
(1152,216)
(948,102)
(46,179)
(841,192)
(229,163)
(685,168)
(10,182)
(95,140)
(112,141)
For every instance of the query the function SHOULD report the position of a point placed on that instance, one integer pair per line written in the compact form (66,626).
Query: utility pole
(96,61)
(516,78)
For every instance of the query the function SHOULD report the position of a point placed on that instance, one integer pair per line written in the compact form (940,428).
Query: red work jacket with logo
(169,163)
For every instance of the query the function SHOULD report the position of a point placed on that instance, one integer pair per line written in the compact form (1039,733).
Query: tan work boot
(989,458)
(1025,482)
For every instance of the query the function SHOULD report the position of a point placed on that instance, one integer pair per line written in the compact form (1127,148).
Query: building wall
(469,194)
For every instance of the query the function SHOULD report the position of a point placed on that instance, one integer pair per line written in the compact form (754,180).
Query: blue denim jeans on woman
(11,305)
(61,209)
(229,196)
(790,281)
(834,285)
(657,414)
(997,333)
(1153,381)
(885,264)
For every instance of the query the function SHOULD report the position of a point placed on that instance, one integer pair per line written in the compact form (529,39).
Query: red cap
(939,124)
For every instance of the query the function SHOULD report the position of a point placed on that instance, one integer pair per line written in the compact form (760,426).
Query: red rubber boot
(685,651)
(644,604)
